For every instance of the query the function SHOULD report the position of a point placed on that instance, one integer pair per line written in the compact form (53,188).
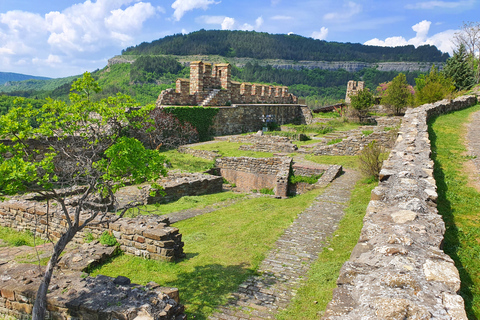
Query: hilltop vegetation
(10,76)
(262,45)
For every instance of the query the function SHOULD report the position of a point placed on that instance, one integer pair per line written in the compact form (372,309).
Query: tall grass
(458,203)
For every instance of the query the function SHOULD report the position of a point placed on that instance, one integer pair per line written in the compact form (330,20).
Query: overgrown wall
(398,270)
(147,236)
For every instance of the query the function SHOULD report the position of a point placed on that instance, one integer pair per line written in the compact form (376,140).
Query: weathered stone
(442,271)
(403,216)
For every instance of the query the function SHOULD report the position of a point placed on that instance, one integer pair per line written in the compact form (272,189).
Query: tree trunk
(40,305)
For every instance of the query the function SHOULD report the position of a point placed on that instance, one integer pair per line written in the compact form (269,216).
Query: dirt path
(472,141)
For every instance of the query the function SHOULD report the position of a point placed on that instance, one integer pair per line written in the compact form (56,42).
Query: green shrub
(367,132)
(89,237)
(108,239)
(371,158)
(267,191)
(199,117)
(307,179)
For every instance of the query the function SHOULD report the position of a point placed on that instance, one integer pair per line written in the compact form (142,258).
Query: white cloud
(281,18)
(320,35)
(58,37)
(182,6)
(275,2)
(350,9)
(440,4)
(442,40)
(228,23)
(259,22)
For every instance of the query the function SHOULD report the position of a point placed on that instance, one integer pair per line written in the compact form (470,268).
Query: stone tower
(352,88)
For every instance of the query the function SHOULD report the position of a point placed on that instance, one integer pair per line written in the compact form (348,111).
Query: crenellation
(205,78)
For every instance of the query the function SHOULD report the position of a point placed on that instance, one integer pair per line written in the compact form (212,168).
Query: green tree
(432,87)
(361,102)
(459,69)
(469,37)
(77,145)
(398,94)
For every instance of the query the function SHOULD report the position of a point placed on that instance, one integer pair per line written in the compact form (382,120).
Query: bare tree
(75,146)
(469,36)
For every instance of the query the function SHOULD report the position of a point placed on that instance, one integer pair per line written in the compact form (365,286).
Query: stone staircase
(210,97)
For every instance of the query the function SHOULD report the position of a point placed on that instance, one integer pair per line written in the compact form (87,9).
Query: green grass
(187,202)
(367,132)
(458,203)
(15,238)
(323,274)
(345,161)
(326,115)
(223,248)
(187,162)
(230,149)
(334,141)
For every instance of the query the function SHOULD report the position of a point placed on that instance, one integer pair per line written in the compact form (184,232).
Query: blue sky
(57,38)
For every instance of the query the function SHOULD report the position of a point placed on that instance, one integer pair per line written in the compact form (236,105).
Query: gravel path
(473,146)
(262,296)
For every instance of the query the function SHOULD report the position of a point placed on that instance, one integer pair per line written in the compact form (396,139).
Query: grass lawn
(345,161)
(223,248)
(230,149)
(458,203)
(323,274)
(15,238)
(187,162)
(187,202)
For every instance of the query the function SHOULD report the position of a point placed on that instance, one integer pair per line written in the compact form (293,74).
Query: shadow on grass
(208,287)
(451,241)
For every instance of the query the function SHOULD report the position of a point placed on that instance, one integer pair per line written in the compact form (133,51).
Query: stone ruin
(352,88)
(212,86)
(398,269)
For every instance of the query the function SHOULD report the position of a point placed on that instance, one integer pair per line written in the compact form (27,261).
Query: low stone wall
(256,173)
(178,185)
(147,236)
(388,121)
(241,118)
(72,297)
(398,270)
(354,144)
(329,173)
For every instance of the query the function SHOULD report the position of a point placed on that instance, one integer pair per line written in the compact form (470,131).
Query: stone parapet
(72,297)
(398,270)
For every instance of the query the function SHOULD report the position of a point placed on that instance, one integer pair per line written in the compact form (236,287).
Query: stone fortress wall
(398,270)
(352,88)
(211,85)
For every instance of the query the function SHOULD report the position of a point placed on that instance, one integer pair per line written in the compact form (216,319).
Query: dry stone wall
(398,270)
(257,173)
(146,236)
(72,297)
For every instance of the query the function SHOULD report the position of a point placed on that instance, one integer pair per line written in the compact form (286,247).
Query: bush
(398,94)
(361,102)
(371,158)
(432,87)
(108,239)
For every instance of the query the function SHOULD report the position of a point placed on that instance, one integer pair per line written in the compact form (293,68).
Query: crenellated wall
(211,85)
(398,270)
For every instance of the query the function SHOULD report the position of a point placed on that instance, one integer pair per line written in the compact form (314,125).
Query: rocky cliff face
(350,66)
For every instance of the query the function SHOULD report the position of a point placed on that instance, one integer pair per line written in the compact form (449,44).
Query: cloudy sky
(58,38)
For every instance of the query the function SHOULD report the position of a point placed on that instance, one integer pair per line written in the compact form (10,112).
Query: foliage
(200,117)
(107,239)
(279,46)
(165,131)
(432,87)
(150,68)
(89,237)
(458,68)
(80,143)
(458,202)
(7,102)
(316,292)
(398,94)
(268,191)
(371,158)
(217,262)
(469,37)
(311,179)
(362,101)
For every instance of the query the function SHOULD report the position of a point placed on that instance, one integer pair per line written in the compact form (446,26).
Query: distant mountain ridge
(260,45)
(10,76)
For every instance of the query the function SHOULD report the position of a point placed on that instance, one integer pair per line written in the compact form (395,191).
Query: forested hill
(9,76)
(261,45)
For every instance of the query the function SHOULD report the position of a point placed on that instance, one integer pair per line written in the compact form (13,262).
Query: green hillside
(261,45)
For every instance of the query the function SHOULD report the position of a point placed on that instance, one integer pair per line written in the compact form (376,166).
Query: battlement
(211,85)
